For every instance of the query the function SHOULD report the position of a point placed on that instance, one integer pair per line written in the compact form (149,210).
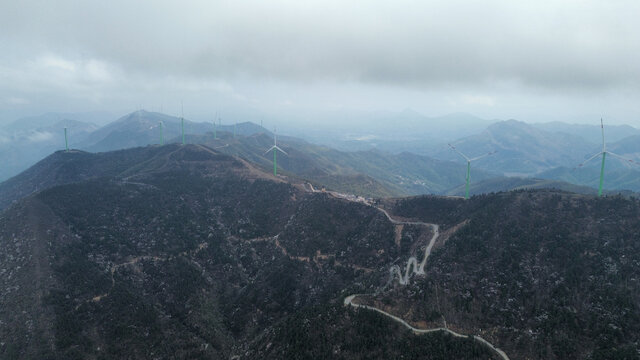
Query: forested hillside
(188,254)
(182,251)
(541,274)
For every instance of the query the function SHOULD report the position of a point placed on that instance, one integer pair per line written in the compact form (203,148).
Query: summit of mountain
(142,128)
(138,128)
(75,166)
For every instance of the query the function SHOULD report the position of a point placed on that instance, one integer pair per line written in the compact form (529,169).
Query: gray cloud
(479,51)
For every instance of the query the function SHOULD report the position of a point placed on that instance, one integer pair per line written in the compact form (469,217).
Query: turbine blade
(224,146)
(589,159)
(271,148)
(277,148)
(456,150)
(483,156)
(623,158)
(602,128)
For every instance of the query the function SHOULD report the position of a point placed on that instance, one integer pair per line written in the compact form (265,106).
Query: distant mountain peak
(410,112)
(511,122)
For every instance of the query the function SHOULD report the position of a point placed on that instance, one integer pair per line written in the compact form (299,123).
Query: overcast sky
(529,60)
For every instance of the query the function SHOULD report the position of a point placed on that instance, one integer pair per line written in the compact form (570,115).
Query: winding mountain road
(349,301)
(412,263)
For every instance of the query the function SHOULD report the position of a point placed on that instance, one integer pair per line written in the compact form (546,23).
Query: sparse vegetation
(543,274)
(194,254)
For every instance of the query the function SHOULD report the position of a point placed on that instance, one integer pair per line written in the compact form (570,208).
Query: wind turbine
(604,153)
(182,122)
(466,188)
(66,141)
(161,125)
(215,132)
(275,149)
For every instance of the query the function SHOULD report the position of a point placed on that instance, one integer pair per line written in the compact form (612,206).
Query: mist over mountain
(143,128)
(22,146)
(404,131)
(138,129)
(370,165)
(520,148)
(590,133)
(31,123)
(628,147)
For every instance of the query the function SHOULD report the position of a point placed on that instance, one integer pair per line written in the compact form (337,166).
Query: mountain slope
(357,335)
(64,167)
(628,147)
(399,174)
(617,175)
(46,120)
(188,253)
(540,274)
(516,183)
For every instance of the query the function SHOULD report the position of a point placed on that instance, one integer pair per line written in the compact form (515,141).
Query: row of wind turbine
(275,148)
(604,154)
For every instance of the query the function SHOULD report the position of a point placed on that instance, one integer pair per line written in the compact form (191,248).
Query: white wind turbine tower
(466,190)
(275,149)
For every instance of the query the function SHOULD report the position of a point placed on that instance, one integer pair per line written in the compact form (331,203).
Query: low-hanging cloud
(545,43)
(573,45)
